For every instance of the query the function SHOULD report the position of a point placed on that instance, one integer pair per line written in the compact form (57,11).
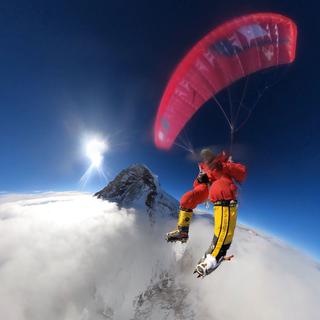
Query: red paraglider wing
(234,50)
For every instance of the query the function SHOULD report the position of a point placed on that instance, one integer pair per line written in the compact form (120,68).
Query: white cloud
(71,256)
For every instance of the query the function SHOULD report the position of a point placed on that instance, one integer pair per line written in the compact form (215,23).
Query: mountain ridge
(138,187)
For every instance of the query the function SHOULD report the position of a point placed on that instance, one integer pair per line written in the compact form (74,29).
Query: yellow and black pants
(225,218)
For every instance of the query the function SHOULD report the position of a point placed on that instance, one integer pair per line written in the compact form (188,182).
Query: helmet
(207,155)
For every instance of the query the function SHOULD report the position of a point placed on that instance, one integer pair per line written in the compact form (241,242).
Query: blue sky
(72,69)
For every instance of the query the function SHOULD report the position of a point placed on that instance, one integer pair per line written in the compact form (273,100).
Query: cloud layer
(71,256)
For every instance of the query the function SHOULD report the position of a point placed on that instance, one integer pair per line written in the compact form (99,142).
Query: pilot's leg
(187,203)
(225,218)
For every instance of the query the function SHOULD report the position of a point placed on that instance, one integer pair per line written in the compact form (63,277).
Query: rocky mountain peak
(137,187)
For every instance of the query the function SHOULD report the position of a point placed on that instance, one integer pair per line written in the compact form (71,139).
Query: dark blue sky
(71,68)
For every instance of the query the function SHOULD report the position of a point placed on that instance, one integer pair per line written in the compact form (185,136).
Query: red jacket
(222,175)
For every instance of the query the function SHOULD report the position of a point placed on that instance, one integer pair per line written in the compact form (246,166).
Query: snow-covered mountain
(137,187)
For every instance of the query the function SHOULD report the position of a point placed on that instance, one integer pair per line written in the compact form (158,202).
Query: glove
(202,178)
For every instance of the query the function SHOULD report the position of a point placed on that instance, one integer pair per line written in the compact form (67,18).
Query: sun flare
(95,150)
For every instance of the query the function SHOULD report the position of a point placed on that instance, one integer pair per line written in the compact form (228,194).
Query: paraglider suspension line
(222,110)
(231,139)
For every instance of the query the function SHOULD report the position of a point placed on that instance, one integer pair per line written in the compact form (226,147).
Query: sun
(95,150)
